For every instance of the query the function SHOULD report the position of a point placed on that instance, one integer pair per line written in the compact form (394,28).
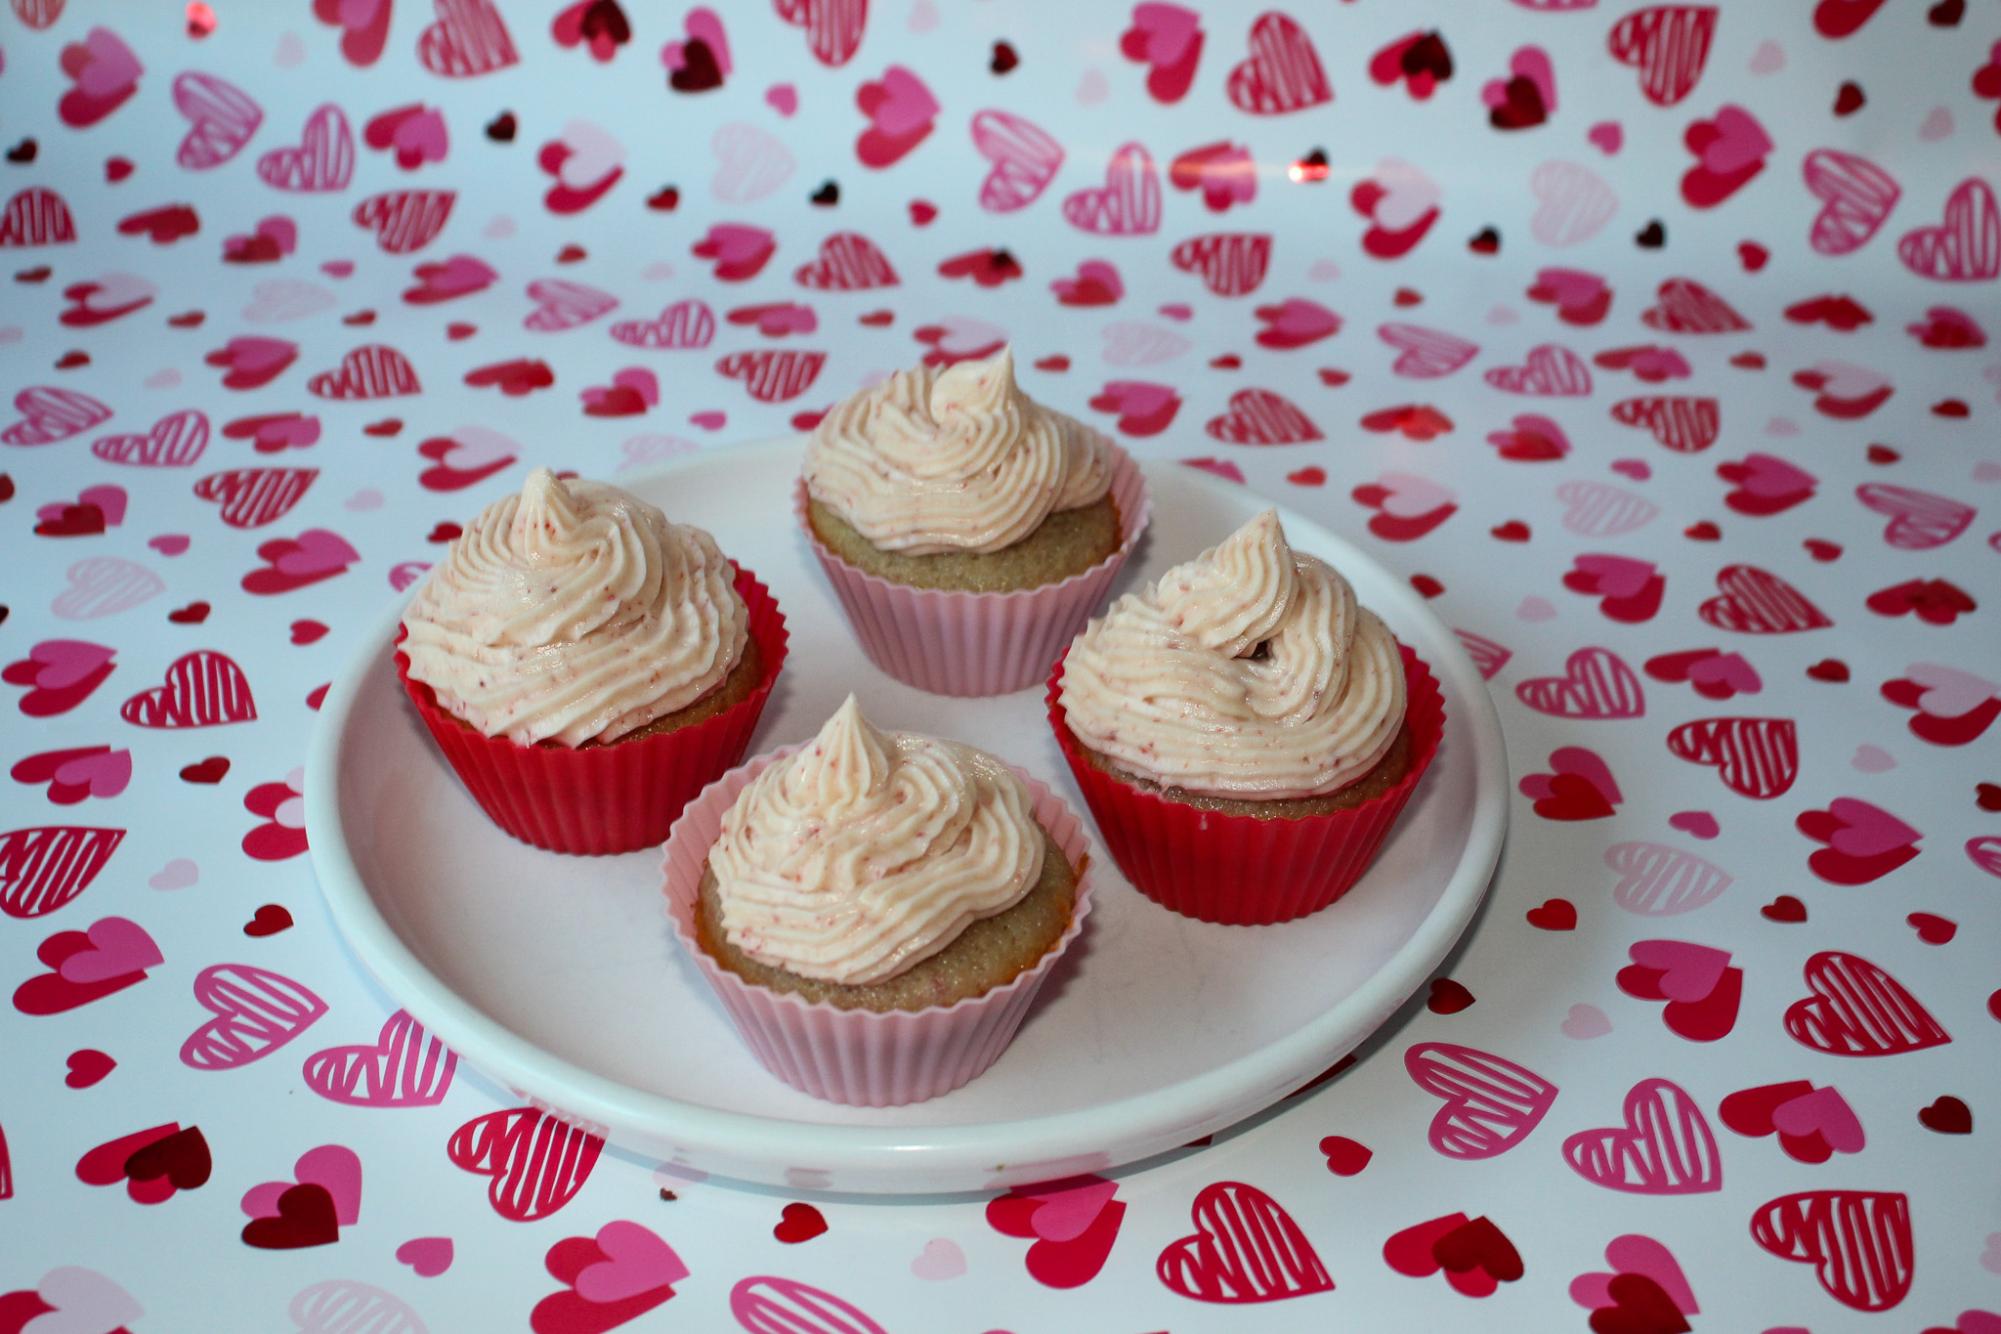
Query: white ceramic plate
(559,976)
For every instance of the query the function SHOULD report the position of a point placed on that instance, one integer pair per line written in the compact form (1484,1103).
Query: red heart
(1829,669)
(1553,915)
(211,770)
(799,1222)
(1447,996)
(305,1217)
(1059,1261)
(1785,908)
(268,920)
(192,614)
(1947,1115)
(1245,1248)
(87,1066)
(1345,1157)
(1639,1306)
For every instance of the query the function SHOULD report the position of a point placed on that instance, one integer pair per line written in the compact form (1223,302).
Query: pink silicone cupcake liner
(613,798)
(968,644)
(1236,869)
(862,1057)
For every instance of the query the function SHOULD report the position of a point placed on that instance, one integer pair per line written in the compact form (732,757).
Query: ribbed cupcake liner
(618,797)
(863,1057)
(1236,869)
(970,644)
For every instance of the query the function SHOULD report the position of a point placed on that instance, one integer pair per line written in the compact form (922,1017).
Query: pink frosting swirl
(1248,672)
(574,611)
(866,852)
(958,459)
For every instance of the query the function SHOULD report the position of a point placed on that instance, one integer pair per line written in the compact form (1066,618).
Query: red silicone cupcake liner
(862,1057)
(613,798)
(1236,869)
(968,644)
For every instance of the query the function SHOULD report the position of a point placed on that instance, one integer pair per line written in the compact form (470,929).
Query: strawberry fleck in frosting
(574,611)
(1249,672)
(954,459)
(866,852)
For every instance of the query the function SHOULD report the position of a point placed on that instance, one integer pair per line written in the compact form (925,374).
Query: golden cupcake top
(574,611)
(865,852)
(953,459)
(1249,672)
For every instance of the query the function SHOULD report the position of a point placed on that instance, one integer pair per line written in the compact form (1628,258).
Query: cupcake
(1243,731)
(586,665)
(876,910)
(968,531)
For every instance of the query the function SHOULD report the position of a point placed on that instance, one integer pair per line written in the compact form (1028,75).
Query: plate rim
(877,1159)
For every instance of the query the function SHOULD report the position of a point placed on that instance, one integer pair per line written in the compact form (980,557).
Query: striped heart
(1228,263)
(1659,881)
(1245,1248)
(1596,684)
(685,324)
(1919,520)
(1858,1241)
(1752,602)
(175,441)
(43,868)
(256,1012)
(773,376)
(1687,307)
(1685,425)
(847,262)
(1665,1148)
(1756,757)
(538,1163)
(1857,1009)
(1599,509)
(202,689)
(253,497)
(1128,204)
(1491,1104)
(403,1067)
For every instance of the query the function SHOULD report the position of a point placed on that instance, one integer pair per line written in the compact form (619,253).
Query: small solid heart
(428,1257)
(1931,928)
(1311,476)
(1784,908)
(1514,530)
(87,1066)
(1426,585)
(268,920)
(1447,996)
(211,770)
(1345,1157)
(1947,1115)
(1699,824)
(307,631)
(192,614)
(1829,669)
(799,1222)
(1553,915)
(169,544)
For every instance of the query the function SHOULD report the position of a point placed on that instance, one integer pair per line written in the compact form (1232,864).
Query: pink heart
(105,773)
(333,1167)
(85,1302)
(1950,693)
(427,1256)
(64,662)
(1867,830)
(1635,1254)
(782,98)
(636,1261)
(1585,1022)
(1739,142)
(1633,468)
(1689,972)
(1165,30)
(1412,497)
(1726,669)
(1065,1215)
(708,421)
(907,105)
(1823,1110)
(1618,576)
(1870,759)
(1770,476)
(169,544)
(1701,824)
(317,550)
(117,946)
(1607,136)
